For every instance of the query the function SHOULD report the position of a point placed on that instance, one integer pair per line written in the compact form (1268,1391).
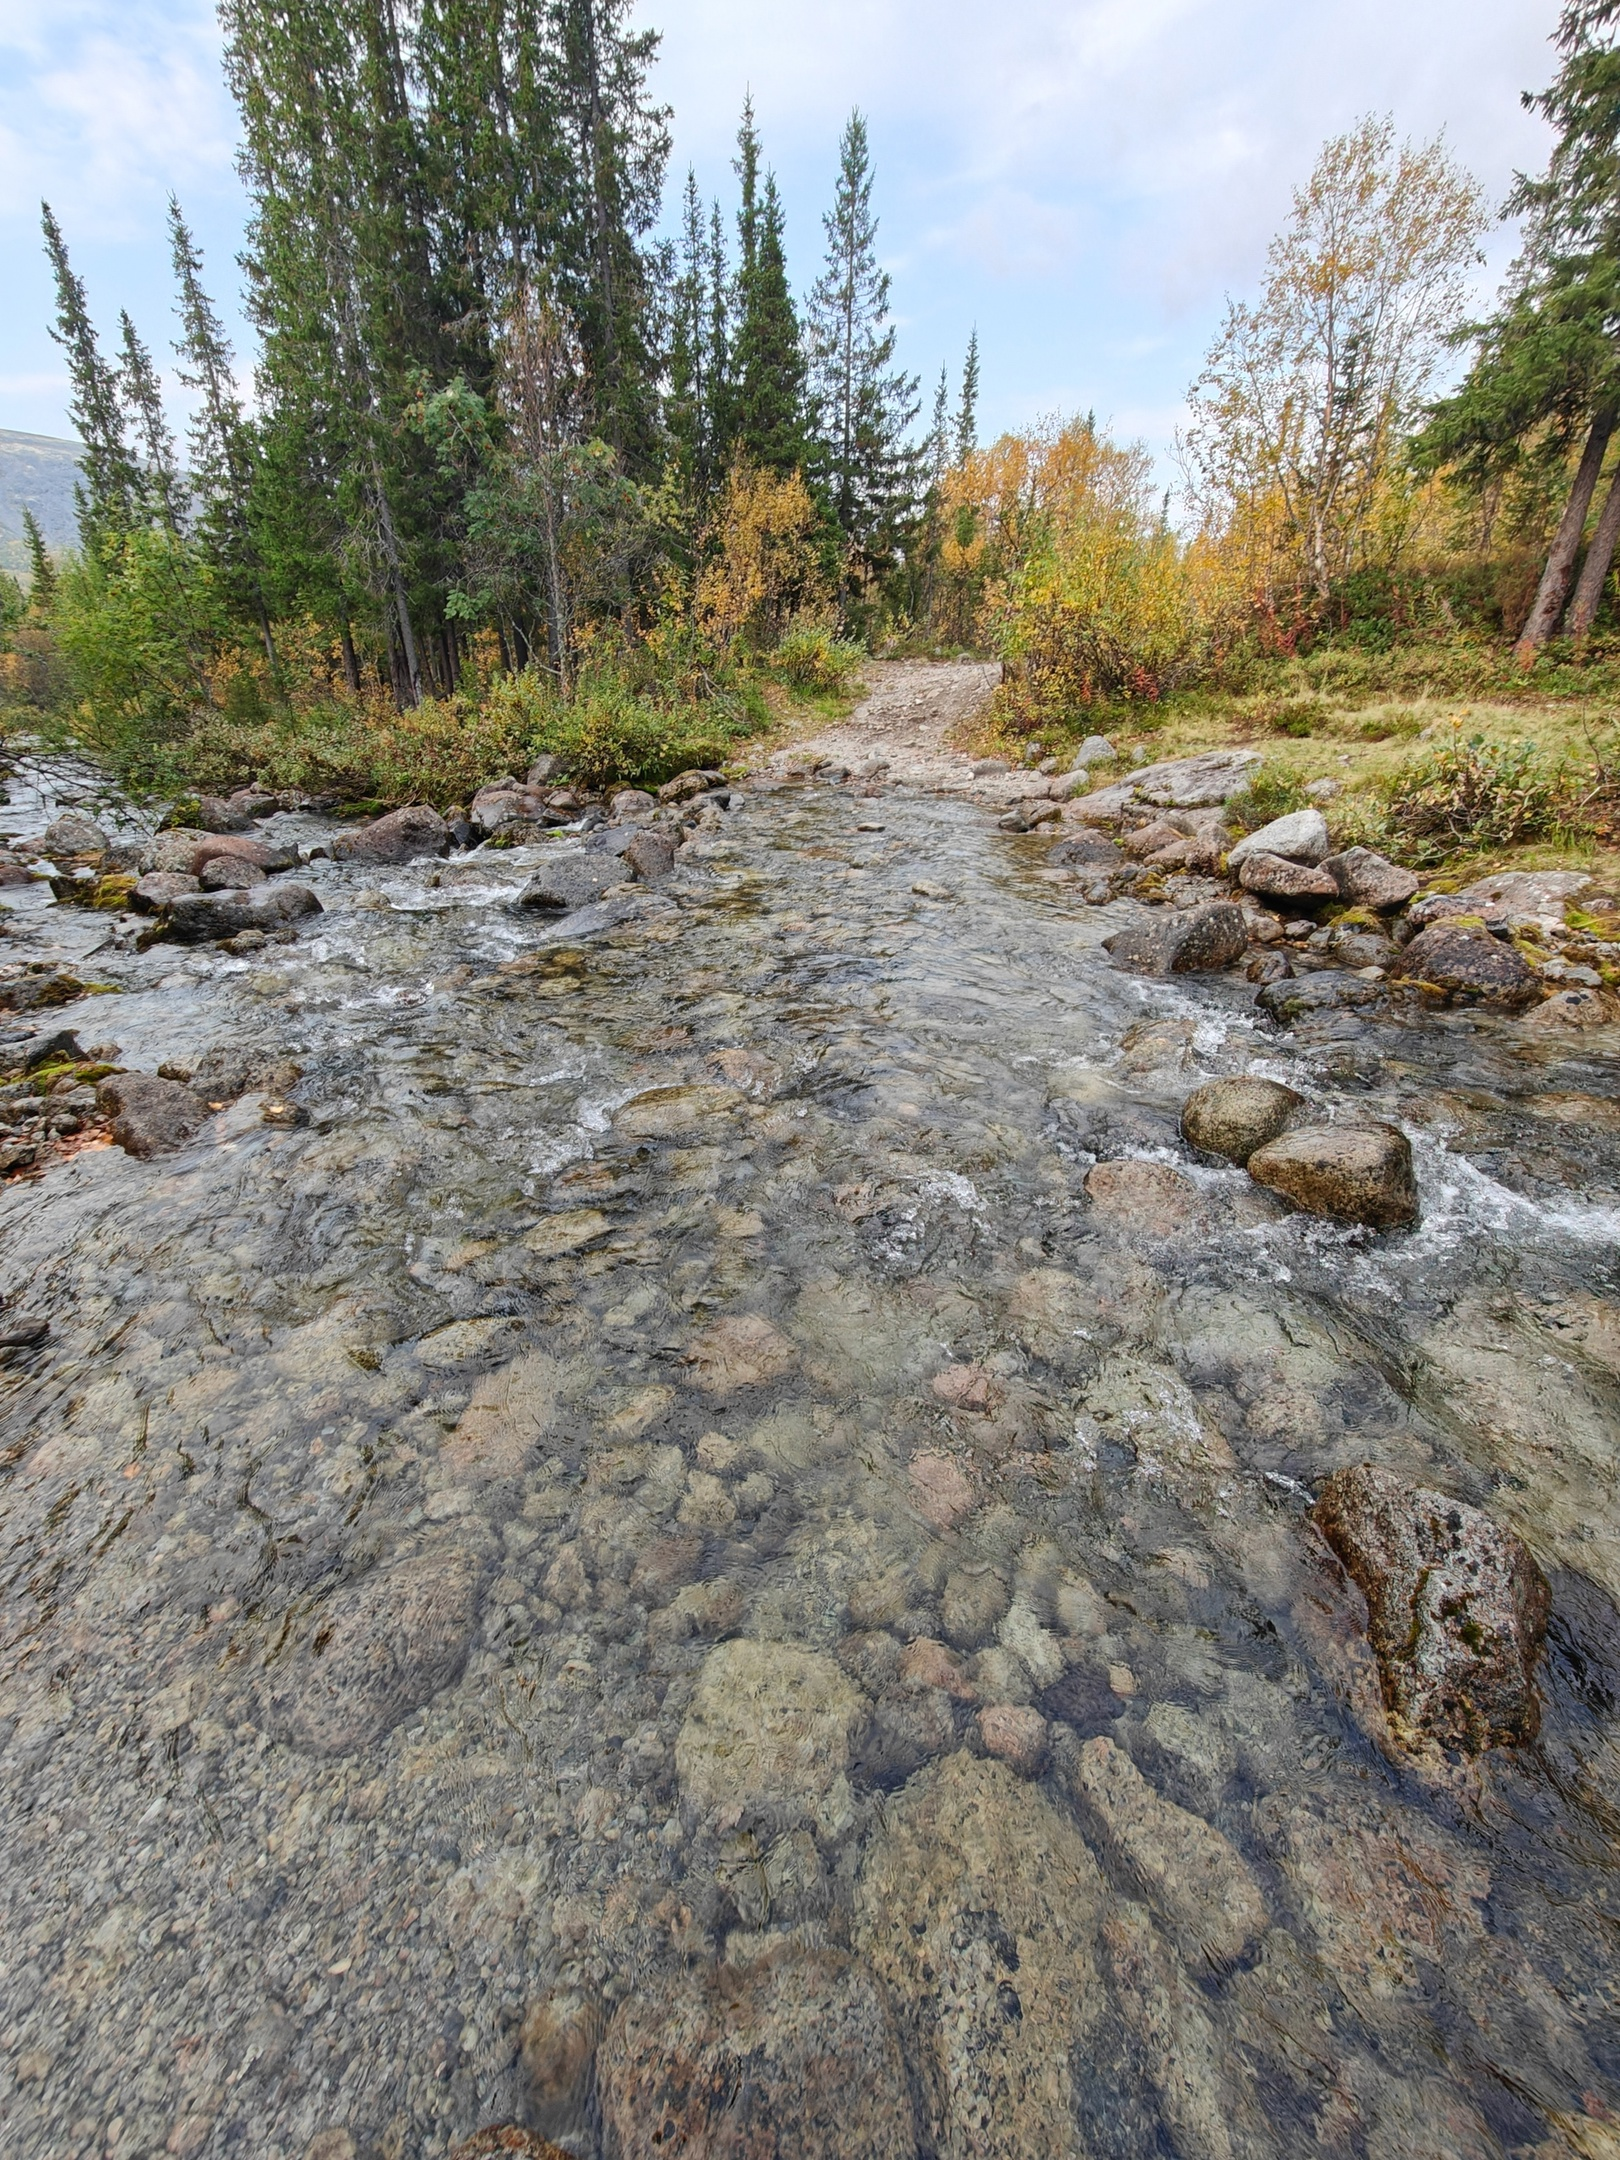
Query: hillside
(37,472)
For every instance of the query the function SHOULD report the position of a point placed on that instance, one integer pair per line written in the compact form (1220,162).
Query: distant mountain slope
(37,472)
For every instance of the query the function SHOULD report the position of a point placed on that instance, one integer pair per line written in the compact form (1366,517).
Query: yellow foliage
(765,565)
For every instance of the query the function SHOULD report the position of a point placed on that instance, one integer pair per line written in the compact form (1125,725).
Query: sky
(1084,181)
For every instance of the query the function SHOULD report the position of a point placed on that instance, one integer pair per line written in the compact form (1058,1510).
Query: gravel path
(908,721)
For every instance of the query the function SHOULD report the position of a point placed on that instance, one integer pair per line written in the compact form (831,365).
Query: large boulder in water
(195,918)
(1467,963)
(1354,1173)
(795,2052)
(1234,1117)
(399,837)
(73,833)
(1324,990)
(149,1115)
(1179,941)
(1456,1608)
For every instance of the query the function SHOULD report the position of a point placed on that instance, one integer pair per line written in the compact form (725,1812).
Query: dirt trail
(912,710)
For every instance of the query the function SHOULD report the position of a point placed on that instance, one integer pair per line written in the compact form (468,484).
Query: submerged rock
(1301,837)
(1456,1607)
(1355,1173)
(1327,990)
(1370,880)
(399,837)
(977,1906)
(1180,941)
(1467,963)
(149,1115)
(504,2141)
(1234,1117)
(1147,1196)
(792,2054)
(771,1730)
(1195,1879)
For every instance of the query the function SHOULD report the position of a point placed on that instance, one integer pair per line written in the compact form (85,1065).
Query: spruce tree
(862,405)
(161,491)
(109,493)
(967,411)
(41,570)
(767,407)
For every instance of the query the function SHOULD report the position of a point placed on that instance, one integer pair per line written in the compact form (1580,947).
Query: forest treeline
(516,471)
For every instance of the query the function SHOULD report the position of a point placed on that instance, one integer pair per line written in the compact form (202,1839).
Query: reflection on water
(661,1563)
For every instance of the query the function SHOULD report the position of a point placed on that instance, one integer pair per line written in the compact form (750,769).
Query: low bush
(811,657)
(1270,794)
(1471,794)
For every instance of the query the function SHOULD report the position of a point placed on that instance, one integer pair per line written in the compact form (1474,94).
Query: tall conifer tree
(108,494)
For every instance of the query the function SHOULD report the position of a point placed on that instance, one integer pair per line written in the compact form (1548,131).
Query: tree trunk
(1595,570)
(351,666)
(1555,579)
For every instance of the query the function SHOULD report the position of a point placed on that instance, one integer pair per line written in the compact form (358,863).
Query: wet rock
(228,1070)
(572,883)
(234,847)
(941,1490)
(909,1727)
(13,872)
(1469,964)
(154,891)
(149,1115)
(1016,1735)
(1301,836)
(1194,1878)
(739,1352)
(1234,1117)
(1327,990)
(771,1730)
(1275,877)
(401,836)
(974,1600)
(217,814)
(977,1906)
(195,918)
(22,1331)
(687,784)
(651,854)
(229,873)
(1354,1173)
(379,1651)
(501,1428)
(558,2042)
(666,1566)
(1177,941)
(506,803)
(503,2141)
(1370,880)
(1574,1009)
(36,986)
(73,833)
(1146,1196)
(1176,2044)
(794,2054)
(631,802)
(1456,1607)
(1087,853)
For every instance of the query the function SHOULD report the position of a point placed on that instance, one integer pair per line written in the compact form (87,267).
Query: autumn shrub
(1269,794)
(764,561)
(810,656)
(1471,794)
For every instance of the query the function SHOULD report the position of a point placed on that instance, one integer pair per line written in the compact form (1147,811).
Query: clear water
(383,1517)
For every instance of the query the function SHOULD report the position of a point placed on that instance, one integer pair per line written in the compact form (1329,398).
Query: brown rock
(1146,1196)
(1369,880)
(742,1351)
(1456,1607)
(1015,1736)
(928,1664)
(770,1729)
(792,2057)
(1355,1173)
(229,873)
(1469,964)
(399,837)
(242,848)
(1279,879)
(507,2141)
(149,1115)
(1234,1117)
(941,1490)
(1195,1879)
(175,849)
(1575,1009)
(687,784)
(558,2041)
(215,814)
(650,855)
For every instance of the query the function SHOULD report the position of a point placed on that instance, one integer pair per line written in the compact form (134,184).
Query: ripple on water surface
(665,1571)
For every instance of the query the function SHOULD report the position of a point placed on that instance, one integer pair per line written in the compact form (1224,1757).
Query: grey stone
(174,850)
(1467,963)
(1178,941)
(1456,1607)
(216,814)
(1355,1173)
(73,833)
(1328,990)
(229,873)
(651,854)
(1301,836)
(1525,892)
(194,918)
(158,888)
(1234,1117)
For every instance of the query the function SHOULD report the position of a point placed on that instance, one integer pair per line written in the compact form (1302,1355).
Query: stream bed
(662,1571)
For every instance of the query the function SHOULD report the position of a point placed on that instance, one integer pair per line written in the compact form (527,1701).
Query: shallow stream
(538,1562)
